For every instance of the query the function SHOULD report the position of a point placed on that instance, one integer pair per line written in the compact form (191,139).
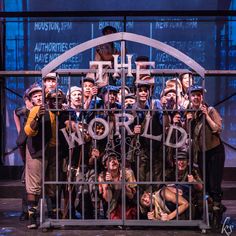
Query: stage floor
(10,225)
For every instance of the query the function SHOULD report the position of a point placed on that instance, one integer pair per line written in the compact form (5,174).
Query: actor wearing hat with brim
(35,95)
(180,86)
(19,114)
(130,99)
(32,165)
(171,116)
(181,159)
(34,131)
(112,193)
(170,99)
(109,95)
(213,148)
(74,99)
(143,107)
(119,95)
(50,82)
(110,107)
(181,169)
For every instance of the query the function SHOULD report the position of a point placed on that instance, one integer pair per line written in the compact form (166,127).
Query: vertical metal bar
(177,179)
(57,158)
(41,210)
(82,150)
(70,187)
(96,187)
(95,168)
(207,211)
(57,165)
(190,201)
(138,202)
(138,146)
(150,48)
(176,139)
(150,151)
(190,158)
(92,36)
(137,167)
(189,128)
(204,158)
(3,41)
(163,137)
(123,131)
(151,197)
(110,141)
(176,161)
(42,213)
(17,46)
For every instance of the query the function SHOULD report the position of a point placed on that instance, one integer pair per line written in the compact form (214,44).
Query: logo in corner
(227,227)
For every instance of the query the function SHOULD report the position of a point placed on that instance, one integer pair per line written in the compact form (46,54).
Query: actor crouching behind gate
(183,171)
(111,190)
(155,205)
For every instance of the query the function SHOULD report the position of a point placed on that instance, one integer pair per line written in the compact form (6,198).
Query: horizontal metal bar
(60,14)
(220,72)
(83,72)
(152,71)
(71,222)
(21,73)
(120,110)
(174,223)
(114,183)
(92,222)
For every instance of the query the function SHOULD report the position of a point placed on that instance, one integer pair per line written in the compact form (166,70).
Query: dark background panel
(30,45)
(109,5)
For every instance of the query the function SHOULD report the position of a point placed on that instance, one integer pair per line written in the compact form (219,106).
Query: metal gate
(113,166)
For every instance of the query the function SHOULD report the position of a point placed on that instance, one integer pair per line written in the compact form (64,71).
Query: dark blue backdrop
(209,41)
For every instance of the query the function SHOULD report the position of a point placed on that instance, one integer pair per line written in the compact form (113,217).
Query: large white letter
(91,132)
(182,139)
(117,66)
(140,71)
(145,132)
(72,137)
(126,123)
(100,65)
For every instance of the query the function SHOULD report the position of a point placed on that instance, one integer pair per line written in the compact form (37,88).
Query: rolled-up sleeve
(215,116)
(28,130)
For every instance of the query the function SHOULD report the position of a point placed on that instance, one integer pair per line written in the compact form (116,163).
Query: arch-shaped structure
(127,37)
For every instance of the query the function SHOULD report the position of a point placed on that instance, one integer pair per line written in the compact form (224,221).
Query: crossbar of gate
(122,186)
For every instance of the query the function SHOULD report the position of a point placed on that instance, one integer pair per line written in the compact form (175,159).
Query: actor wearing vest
(33,129)
(214,149)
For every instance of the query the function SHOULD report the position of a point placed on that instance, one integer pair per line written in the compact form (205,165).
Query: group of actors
(107,148)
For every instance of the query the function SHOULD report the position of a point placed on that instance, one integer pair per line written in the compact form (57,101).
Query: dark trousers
(146,168)
(215,159)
